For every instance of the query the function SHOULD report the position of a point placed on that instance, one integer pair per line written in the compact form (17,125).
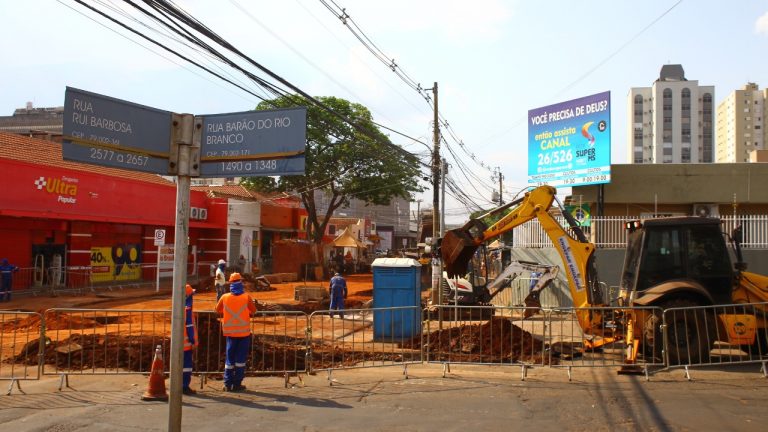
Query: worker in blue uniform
(7,269)
(236,308)
(338,290)
(190,341)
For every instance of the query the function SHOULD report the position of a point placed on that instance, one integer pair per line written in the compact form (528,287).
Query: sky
(493,60)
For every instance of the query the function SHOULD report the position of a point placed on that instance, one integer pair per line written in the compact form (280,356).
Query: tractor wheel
(690,333)
(652,343)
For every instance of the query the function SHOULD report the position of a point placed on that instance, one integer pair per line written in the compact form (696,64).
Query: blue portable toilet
(396,282)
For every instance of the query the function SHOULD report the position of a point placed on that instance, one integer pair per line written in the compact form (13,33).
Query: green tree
(344,161)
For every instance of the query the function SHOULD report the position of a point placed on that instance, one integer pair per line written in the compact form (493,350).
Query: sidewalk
(470,398)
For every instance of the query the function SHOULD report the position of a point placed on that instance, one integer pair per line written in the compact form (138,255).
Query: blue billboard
(569,143)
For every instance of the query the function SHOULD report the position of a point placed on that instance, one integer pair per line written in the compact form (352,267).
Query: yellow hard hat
(235,277)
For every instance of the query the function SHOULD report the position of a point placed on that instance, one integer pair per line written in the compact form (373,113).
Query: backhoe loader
(679,262)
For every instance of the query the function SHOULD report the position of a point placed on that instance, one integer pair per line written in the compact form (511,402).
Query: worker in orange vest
(236,309)
(190,341)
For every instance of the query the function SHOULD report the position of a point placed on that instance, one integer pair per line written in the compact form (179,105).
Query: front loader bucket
(457,249)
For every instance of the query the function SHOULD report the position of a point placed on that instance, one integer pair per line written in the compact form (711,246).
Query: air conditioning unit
(706,210)
(194,213)
(203,213)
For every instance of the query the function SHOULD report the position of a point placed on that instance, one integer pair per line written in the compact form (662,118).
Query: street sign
(254,143)
(159,237)
(105,131)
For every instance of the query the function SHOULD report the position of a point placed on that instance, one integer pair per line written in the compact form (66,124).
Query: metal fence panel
(716,335)
(478,335)
(605,343)
(21,342)
(279,344)
(362,338)
(104,341)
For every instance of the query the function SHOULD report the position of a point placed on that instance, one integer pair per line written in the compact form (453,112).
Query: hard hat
(221,261)
(189,290)
(235,277)
(337,274)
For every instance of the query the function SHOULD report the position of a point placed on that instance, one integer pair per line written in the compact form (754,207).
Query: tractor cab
(684,249)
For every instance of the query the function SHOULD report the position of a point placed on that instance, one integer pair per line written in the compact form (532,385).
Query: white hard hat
(221,261)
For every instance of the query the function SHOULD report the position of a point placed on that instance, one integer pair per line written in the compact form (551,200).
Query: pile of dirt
(98,351)
(269,352)
(251,282)
(29,322)
(60,321)
(204,284)
(496,341)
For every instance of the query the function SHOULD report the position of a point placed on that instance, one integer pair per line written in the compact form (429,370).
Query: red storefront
(82,216)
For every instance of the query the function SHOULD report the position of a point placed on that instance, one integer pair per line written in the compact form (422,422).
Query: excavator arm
(459,245)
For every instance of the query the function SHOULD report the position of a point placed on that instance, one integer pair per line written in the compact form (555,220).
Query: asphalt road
(468,398)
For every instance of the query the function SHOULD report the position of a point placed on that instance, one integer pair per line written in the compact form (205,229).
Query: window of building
(685,154)
(707,151)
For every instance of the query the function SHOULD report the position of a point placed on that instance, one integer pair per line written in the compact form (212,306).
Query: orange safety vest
(237,315)
(190,321)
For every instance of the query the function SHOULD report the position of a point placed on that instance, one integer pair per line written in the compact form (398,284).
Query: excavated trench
(90,346)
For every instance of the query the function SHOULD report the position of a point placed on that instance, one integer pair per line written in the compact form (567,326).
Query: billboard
(121,262)
(569,143)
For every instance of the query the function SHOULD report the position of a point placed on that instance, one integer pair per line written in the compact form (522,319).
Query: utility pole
(501,187)
(418,215)
(436,272)
(443,174)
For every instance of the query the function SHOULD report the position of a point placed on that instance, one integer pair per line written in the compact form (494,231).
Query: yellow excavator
(678,262)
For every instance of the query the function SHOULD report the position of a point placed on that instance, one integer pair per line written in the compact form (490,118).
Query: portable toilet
(396,282)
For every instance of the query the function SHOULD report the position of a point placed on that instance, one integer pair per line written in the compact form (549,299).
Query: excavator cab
(676,249)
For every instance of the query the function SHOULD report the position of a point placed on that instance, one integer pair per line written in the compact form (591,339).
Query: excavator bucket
(532,304)
(457,249)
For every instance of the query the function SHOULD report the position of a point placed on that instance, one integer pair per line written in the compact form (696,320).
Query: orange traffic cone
(156,390)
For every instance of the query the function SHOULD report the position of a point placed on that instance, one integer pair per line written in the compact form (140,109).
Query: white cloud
(761,25)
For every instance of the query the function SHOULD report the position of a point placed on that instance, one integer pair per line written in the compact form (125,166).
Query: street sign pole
(105,131)
(186,145)
(159,242)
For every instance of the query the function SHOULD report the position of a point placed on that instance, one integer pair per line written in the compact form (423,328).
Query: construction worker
(7,271)
(190,341)
(220,279)
(338,290)
(236,309)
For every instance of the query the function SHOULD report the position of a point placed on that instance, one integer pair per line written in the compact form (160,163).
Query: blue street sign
(105,131)
(254,143)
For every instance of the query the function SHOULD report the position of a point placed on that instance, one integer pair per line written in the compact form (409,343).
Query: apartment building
(672,121)
(741,124)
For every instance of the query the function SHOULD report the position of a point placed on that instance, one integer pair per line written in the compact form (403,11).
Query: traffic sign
(159,237)
(254,143)
(105,131)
